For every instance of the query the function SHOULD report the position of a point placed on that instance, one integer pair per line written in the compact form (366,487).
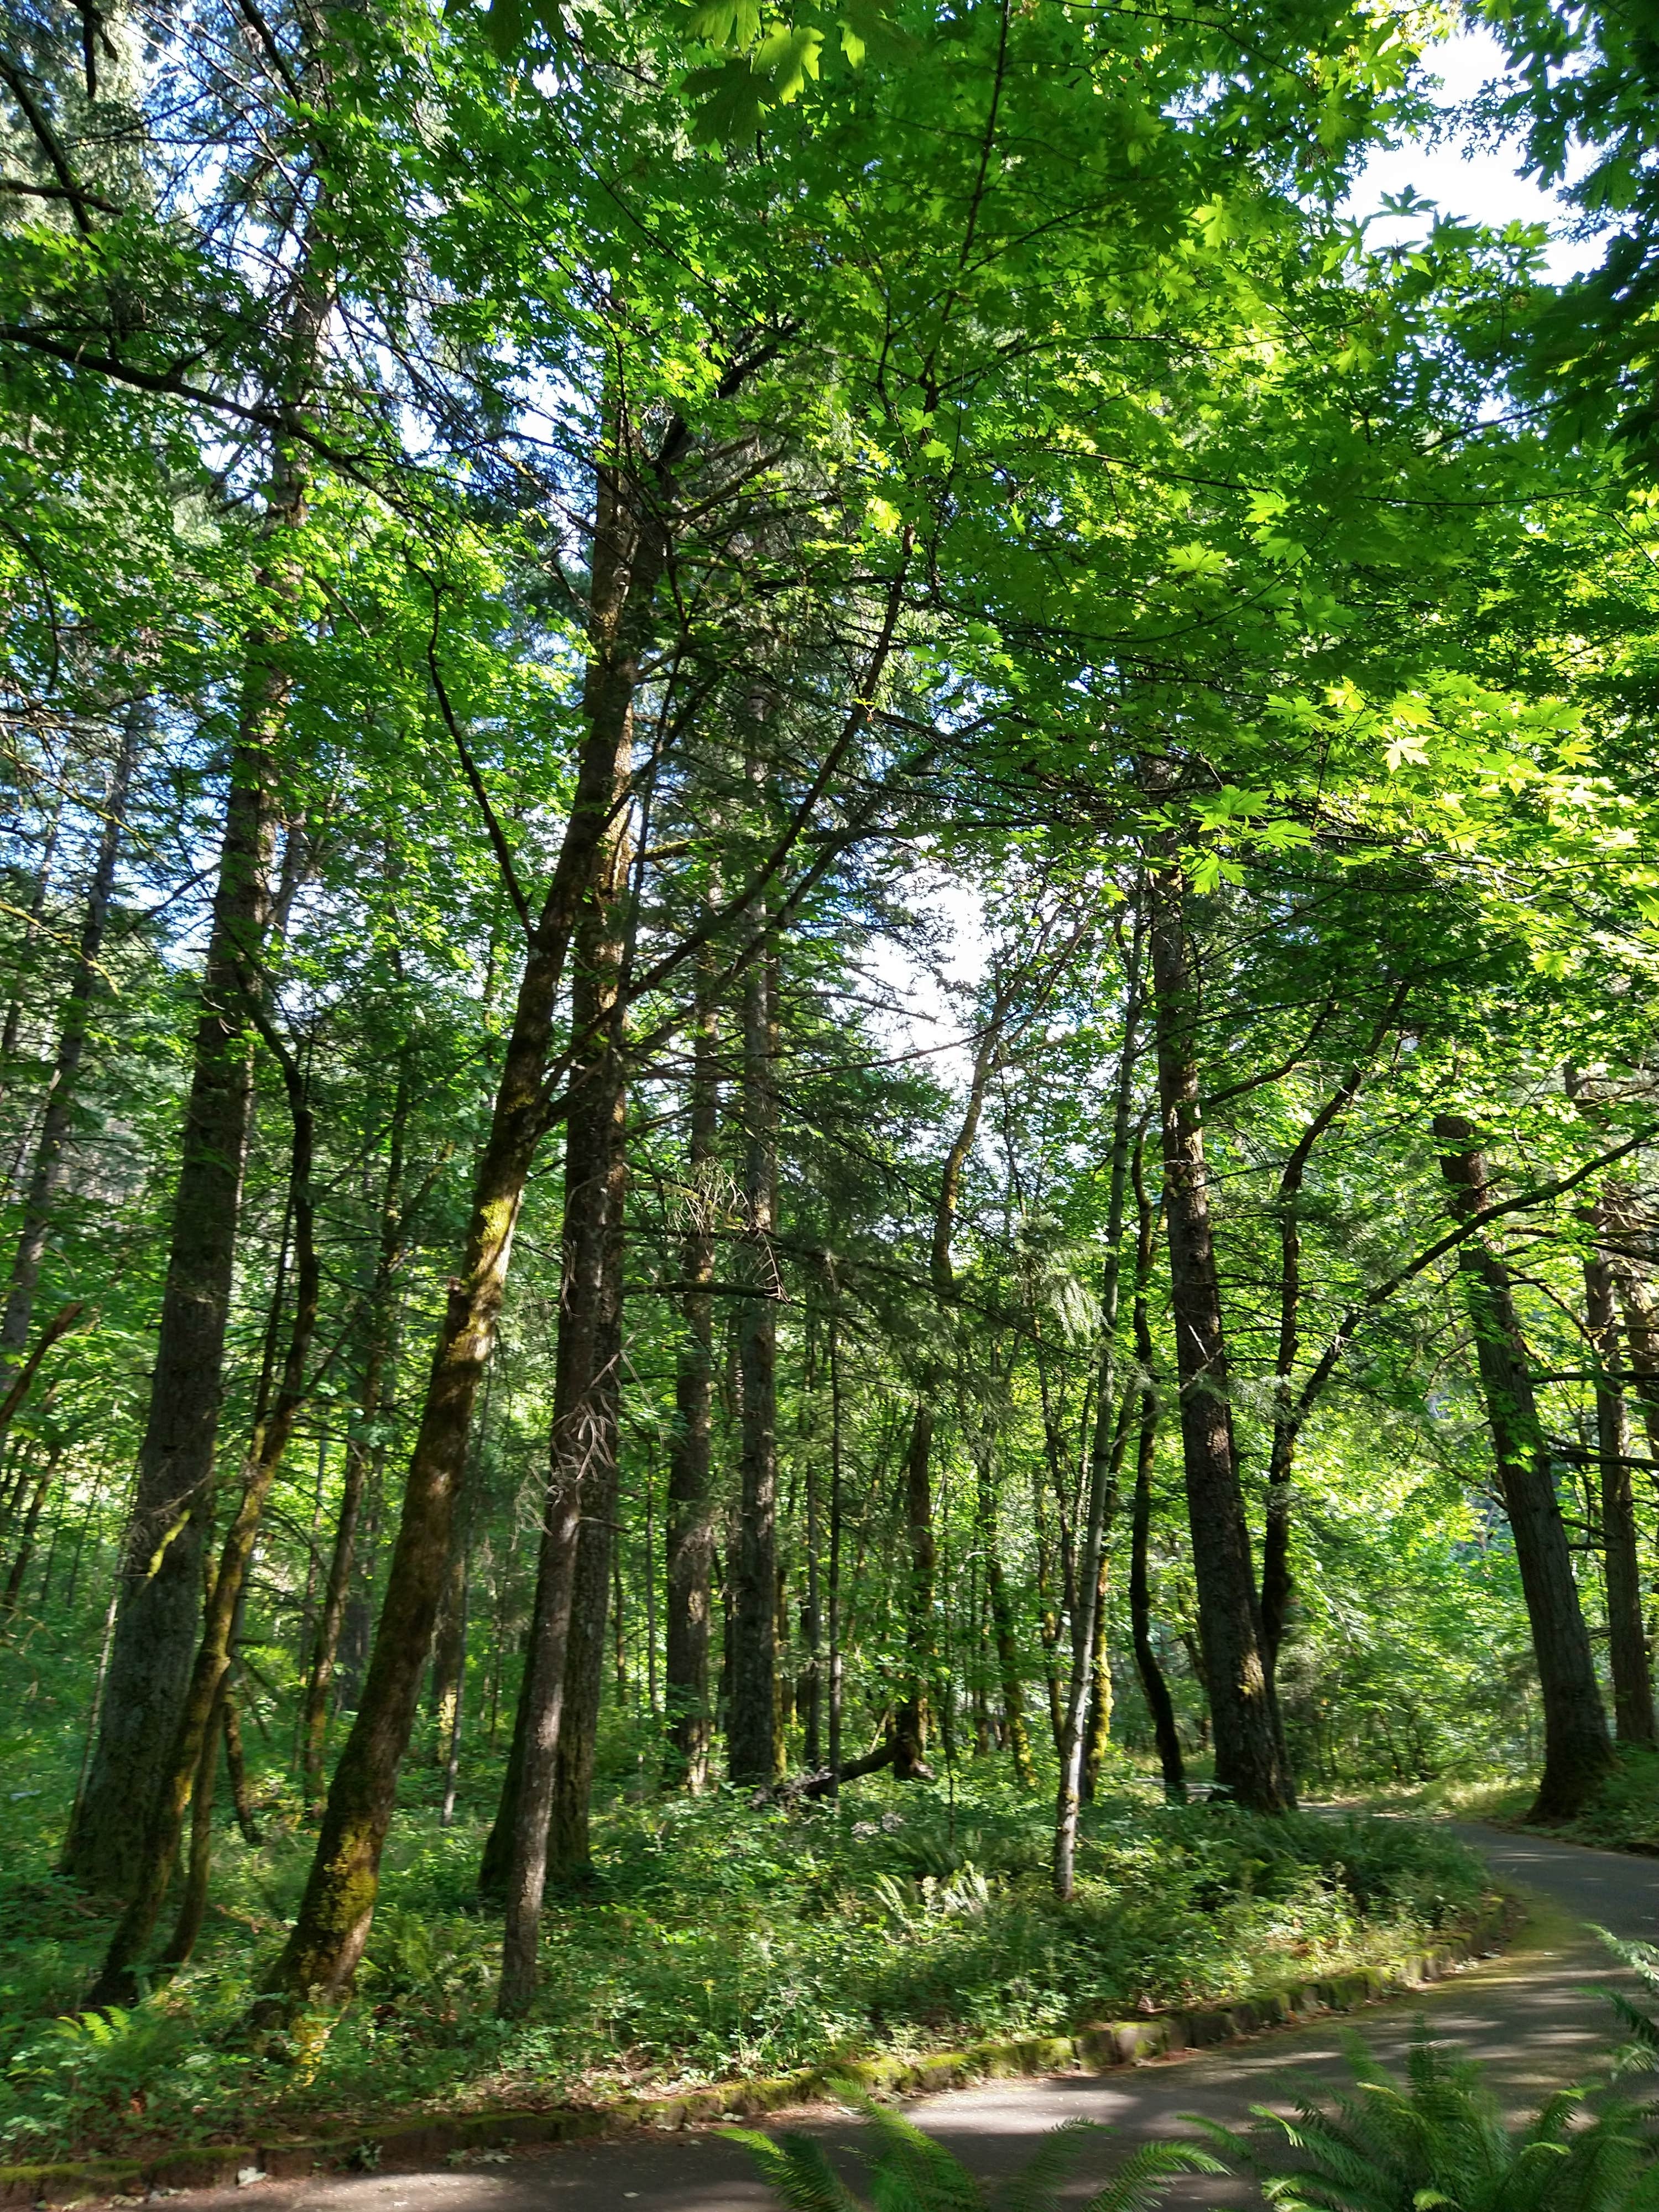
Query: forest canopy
(828,891)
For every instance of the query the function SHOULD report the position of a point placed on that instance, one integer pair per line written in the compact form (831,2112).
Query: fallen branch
(828,1778)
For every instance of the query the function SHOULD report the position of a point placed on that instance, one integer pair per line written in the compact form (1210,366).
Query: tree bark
(1097,1507)
(569,1848)
(1097,1730)
(1576,1751)
(222,1725)
(1154,1687)
(910,1717)
(1250,1766)
(236,1769)
(833,1591)
(1627,1646)
(191,1751)
(754,1749)
(690,1520)
(582,1450)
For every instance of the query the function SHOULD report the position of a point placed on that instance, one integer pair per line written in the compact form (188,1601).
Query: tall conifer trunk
(192,1753)
(1577,1750)
(1099,1503)
(1249,1759)
(1154,1686)
(1627,1646)
(582,1448)
(689,1521)
(327,1939)
(160,1575)
(754,1746)
(569,1848)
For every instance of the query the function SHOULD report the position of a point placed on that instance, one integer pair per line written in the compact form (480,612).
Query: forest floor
(716,1941)
(1533,2015)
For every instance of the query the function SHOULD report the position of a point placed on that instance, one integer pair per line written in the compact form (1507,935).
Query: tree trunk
(449,1646)
(1088,1603)
(198,1866)
(1097,1730)
(910,1720)
(19,1566)
(833,1591)
(754,1751)
(1636,1305)
(50,1164)
(582,1451)
(1627,1646)
(1576,1751)
(198,1719)
(236,1769)
(1249,1760)
(569,1848)
(322,1951)
(1155,1689)
(688,1520)
(360,1451)
(910,1716)
(1153,1686)
(161,1569)
(1002,1626)
(451,1747)
(221,1724)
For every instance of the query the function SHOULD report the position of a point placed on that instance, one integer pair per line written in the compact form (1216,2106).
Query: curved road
(1529,2014)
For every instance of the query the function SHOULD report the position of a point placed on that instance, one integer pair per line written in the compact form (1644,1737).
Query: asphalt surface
(1533,2015)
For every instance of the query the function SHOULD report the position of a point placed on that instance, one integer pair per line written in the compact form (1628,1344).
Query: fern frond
(912,2173)
(1147,2172)
(798,2168)
(1035,2188)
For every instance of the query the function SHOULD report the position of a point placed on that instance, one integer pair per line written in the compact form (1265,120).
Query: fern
(910,2171)
(1639,2052)
(1439,2143)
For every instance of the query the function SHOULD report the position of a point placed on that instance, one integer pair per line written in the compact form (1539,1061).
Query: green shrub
(713,1939)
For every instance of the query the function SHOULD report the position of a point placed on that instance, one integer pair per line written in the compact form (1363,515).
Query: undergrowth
(714,1939)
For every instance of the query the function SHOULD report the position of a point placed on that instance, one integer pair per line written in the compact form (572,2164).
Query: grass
(715,1940)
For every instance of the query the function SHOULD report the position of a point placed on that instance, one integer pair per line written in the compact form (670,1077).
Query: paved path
(1529,2014)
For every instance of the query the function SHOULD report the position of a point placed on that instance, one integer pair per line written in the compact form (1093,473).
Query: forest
(829,866)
